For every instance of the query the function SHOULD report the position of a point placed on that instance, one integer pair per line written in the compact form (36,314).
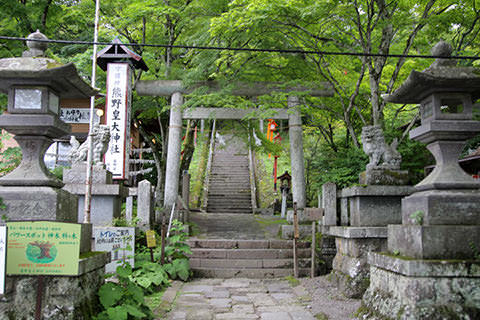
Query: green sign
(43,248)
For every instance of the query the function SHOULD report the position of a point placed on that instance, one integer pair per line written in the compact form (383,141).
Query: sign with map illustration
(43,248)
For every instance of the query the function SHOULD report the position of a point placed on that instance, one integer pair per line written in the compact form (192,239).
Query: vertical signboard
(43,248)
(3,252)
(118,118)
(120,241)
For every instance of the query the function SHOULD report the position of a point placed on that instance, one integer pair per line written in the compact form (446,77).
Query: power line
(292,51)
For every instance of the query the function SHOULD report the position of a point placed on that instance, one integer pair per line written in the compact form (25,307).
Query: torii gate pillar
(296,152)
(173,151)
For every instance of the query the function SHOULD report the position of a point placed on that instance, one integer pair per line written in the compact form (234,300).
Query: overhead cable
(291,51)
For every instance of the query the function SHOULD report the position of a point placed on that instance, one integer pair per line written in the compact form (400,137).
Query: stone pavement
(235,226)
(240,299)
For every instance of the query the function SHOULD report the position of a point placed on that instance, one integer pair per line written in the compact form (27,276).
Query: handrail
(251,169)
(206,183)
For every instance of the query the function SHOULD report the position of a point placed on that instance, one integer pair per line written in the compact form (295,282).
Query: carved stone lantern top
(445,92)
(35,84)
(34,69)
(443,75)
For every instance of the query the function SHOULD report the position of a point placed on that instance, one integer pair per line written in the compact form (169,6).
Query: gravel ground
(327,300)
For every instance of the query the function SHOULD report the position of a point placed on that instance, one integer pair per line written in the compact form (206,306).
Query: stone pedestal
(351,270)
(38,203)
(372,205)
(66,297)
(384,177)
(367,210)
(402,288)
(106,196)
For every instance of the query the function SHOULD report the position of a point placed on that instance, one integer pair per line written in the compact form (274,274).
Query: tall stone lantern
(34,85)
(34,197)
(430,270)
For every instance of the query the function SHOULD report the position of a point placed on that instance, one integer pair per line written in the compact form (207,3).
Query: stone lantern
(34,85)
(430,270)
(447,200)
(31,194)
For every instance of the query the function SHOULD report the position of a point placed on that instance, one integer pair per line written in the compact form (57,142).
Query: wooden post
(295,239)
(38,305)
(314,242)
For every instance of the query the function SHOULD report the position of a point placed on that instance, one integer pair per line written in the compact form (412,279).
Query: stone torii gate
(176,90)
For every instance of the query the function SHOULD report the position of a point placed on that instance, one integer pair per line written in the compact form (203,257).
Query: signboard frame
(118,245)
(43,248)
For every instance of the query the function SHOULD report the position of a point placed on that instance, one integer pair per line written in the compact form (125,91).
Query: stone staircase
(227,258)
(229,189)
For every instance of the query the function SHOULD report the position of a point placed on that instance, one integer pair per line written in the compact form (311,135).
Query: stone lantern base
(365,214)
(63,298)
(351,271)
(38,203)
(402,288)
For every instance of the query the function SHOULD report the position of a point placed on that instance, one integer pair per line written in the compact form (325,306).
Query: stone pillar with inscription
(33,196)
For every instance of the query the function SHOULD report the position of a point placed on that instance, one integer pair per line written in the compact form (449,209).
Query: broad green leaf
(136,292)
(134,311)
(110,293)
(117,313)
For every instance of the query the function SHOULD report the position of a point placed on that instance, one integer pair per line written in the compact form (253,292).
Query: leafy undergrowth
(135,292)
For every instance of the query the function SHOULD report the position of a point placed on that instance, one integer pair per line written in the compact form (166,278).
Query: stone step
(227,191)
(247,273)
(243,181)
(230,210)
(237,195)
(225,208)
(231,162)
(229,182)
(230,173)
(248,263)
(245,244)
(208,253)
(227,202)
(233,205)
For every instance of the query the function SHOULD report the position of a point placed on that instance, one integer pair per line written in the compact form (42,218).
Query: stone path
(240,299)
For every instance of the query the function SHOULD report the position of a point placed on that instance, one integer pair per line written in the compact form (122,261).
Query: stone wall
(65,298)
(426,295)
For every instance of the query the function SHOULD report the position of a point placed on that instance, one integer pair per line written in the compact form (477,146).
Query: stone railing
(251,169)
(206,184)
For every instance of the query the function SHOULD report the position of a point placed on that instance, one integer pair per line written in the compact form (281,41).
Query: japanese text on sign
(77,115)
(118,105)
(120,241)
(43,248)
